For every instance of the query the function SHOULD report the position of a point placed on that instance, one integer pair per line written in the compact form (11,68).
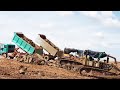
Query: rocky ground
(10,69)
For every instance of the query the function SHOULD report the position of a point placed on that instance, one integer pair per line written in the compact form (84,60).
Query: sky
(94,30)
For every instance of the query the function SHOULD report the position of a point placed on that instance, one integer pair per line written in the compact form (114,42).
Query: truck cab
(6,48)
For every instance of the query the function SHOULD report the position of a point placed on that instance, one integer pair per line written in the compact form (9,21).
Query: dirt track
(9,69)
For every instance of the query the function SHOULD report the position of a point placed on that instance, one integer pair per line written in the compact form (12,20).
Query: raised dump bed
(23,42)
(41,40)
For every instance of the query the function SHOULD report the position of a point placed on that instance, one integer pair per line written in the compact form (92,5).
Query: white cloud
(99,35)
(65,13)
(114,45)
(109,22)
(93,14)
(46,25)
(107,14)
(107,18)
(105,44)
(102,40)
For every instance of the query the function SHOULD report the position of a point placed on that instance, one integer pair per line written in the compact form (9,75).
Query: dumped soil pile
(10,69)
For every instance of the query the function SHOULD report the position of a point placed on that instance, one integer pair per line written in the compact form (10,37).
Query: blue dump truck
(26,44)
(33,52)
(6,48)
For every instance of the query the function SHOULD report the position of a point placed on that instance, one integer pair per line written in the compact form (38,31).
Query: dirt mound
(9,69)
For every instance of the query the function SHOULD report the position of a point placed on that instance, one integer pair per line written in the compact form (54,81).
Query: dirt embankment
(9,69)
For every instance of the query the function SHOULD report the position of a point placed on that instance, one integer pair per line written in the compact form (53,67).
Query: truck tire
(46,58)
(4,55)
(11,57)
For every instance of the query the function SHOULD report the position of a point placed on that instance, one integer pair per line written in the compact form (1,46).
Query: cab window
(5,46)
(10,46)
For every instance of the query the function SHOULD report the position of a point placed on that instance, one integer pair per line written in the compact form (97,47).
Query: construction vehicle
(94,67)
(6,49)
(33,53)
(91,67)
(98,68)
(51,48)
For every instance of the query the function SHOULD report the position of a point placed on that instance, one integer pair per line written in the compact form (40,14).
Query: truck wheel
(11,57)
(4,55)
(46,58)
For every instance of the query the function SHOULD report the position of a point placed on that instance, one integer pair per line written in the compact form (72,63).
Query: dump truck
(33,53)
(47,45)
(5,49)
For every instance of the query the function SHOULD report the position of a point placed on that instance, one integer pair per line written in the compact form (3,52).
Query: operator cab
(6,48)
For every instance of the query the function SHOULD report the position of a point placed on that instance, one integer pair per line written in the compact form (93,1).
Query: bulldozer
(97,67)
(90,64)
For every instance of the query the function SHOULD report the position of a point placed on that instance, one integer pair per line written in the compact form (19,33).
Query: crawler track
(98,73)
